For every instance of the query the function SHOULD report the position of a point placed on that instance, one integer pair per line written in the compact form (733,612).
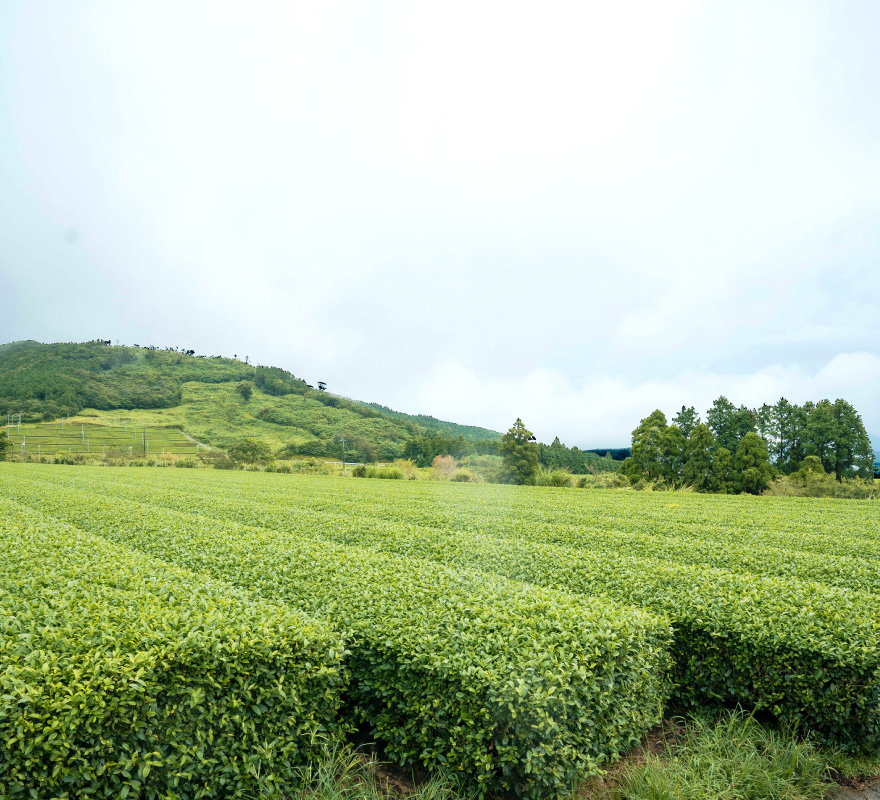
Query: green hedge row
(521,689)
(124,676)
(273,507)
(807,652)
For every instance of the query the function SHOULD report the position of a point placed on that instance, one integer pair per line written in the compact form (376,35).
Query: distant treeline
(471,433)
(743,449)
(574,460)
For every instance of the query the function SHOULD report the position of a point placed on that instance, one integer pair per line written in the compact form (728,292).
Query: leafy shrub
(603,480)
(251,451)
(359,471)
(125,675)
(390,473)
(443,468)
(555,477)
(465,476)
(489,468)
(408,468)
(813,482)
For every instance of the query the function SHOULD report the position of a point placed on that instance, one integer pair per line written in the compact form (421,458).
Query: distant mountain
(216,400)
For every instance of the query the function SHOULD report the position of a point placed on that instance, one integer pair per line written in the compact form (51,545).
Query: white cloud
(603,411)
(477,210)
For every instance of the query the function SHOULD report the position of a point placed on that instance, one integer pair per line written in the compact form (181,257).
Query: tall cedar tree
(752,463)
(520,454)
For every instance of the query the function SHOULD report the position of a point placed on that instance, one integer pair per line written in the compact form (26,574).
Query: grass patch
(346,773)
(731,757)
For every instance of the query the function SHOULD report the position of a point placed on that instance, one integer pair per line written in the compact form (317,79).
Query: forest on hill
(220,399)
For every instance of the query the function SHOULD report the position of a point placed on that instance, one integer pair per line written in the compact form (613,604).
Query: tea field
(174,633)
(114,437)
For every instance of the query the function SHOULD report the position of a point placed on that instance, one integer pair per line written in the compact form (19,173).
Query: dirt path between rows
(871,792)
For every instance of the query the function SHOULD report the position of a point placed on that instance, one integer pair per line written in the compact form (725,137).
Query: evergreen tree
(723,473)
(687,419)
(789,423)
(752,462)
(674,454)
(729,424)
(520,454)
(4,445)
(819,433)
(647,448)
(851,452)
(699,454)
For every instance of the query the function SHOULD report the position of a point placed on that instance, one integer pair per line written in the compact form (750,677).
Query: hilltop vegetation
(221,402)
(215,399)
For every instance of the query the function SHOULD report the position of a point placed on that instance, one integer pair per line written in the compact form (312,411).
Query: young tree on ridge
(520,454)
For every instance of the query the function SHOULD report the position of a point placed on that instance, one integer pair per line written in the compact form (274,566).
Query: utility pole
(145,439)
(342,439)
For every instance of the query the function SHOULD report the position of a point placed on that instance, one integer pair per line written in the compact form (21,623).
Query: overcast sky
(569,212)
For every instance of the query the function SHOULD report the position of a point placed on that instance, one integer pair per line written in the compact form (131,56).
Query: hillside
(202,395)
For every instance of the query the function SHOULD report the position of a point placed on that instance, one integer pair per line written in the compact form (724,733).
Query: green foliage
(687,419)
(729,424)
(701,456)
(216,400)
(752,464)
(519,688)
(743,588)
(520,454)
(699,464)
(573,460)
(246,390)
(448,430)
(391,473)
(346,774)
(552,477)
(811,480)
(731,757)
(4,445)
(251,451)
(123,675)
(45,381)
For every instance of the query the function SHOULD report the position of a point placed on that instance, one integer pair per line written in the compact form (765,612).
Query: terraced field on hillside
(520,636)
(99,439)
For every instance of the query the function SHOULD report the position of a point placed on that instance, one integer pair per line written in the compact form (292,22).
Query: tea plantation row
(519,688)
(521,636)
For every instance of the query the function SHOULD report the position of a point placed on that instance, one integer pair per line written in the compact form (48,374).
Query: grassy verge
(349,774)
(731,757)
(727,757)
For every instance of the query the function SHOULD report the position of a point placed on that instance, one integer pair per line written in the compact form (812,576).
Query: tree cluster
(557,456)
(424,449)
(742,449)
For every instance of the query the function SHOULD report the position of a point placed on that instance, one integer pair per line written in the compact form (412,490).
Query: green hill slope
(137,386)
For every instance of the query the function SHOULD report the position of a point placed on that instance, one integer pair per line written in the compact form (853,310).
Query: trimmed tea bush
(125,676)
